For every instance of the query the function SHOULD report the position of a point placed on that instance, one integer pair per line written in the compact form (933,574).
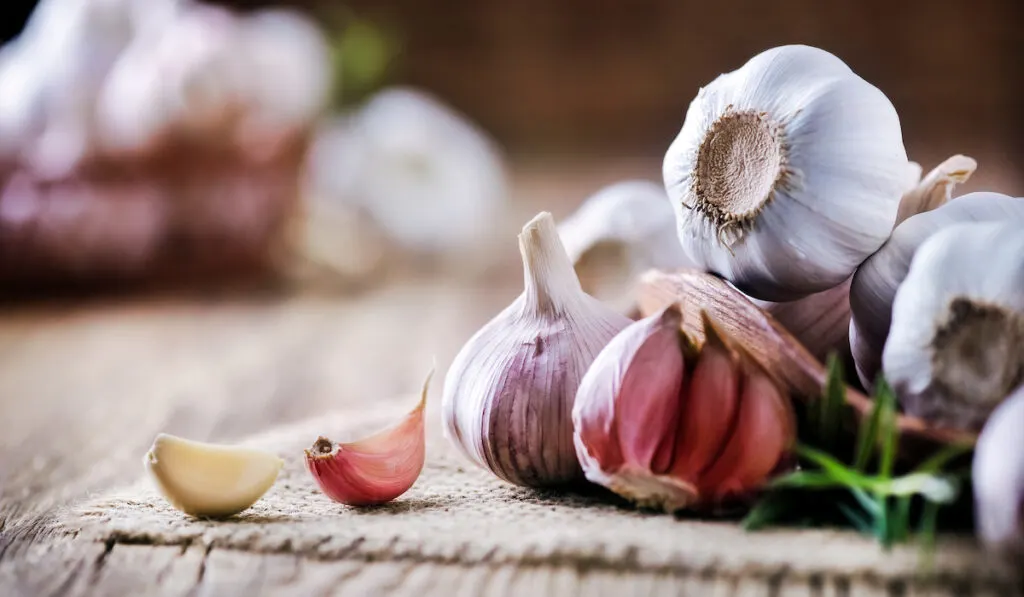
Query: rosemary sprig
(877,503)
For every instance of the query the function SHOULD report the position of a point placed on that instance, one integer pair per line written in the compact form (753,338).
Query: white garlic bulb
(787,173)
(508,395)
(875,284)
(997,475)
(430,178)
(956,346)
(618,233)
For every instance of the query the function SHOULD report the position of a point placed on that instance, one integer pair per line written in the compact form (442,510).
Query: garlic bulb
(429,178)
(618,233)
(875,284)
(508,395)
(670,426)
(821,321)
(956,346)
(997,474)
(787,173)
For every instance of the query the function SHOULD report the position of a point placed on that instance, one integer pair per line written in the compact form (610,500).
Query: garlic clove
(210,480)
(792,140)
(376,469)
(799,374)
(695,451)
(709,408)
(820,321)
(619,232)
(763,432)
(956,346)
(937,188)
(508,396)
(874,286)
(997,476)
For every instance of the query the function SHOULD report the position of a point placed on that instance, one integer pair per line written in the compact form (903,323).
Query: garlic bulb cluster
(875,284)
(997,475)
(792,141)
(956,346)
(618,233)
(509,393)
(114,77)
(426,175)
(670,426)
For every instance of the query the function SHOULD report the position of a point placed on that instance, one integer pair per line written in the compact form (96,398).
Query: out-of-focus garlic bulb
(997,474)
(618,233)
(956,346)
(875,284)
(431,179)
(787,173)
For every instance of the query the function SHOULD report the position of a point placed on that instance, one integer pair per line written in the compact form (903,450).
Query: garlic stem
(552,287)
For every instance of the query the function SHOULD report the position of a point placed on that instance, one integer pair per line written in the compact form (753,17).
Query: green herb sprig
(878,502)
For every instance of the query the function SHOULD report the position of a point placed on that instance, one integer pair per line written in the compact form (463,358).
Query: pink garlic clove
(376,469)
(709,407)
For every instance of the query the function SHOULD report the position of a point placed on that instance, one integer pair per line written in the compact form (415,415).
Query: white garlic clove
(877,279)
(210,480)
(430,178)
(509,393)
(791,141)
(997,475)
(619,232)
(956,347)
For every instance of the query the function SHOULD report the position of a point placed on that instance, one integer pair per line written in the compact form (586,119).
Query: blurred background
(143,141)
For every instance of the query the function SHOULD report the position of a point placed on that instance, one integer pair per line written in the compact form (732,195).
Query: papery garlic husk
(821,321)
(669,426)
(618,233)
(210,480)
(430,178)
(875,284)
(956,346)
(787,173)
(508,395)
(376,469)
(997,475)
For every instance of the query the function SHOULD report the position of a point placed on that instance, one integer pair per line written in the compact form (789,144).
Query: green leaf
(867,436)
(887,427)
(901,518)
(767,511)
(943,457)
(857,518)
(832,404)
(807,480)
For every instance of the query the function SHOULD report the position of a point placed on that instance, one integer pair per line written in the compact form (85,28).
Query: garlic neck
(740,164)
(552,287)
(978,353)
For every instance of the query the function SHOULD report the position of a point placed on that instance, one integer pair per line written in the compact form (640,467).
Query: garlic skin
(669,426)
(430,178)
(997,475)
(619,232)
(874,286)
(210,480)
(376,469)
(956,346)
(792,141)
(509,393)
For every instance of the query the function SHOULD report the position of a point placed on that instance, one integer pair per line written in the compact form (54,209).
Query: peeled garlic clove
(678,439)
(210,480)
(791,141)
(619,232)
(509,393)
(937,188)
(376,469)
(997,475)
(875,284)
(956,346)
